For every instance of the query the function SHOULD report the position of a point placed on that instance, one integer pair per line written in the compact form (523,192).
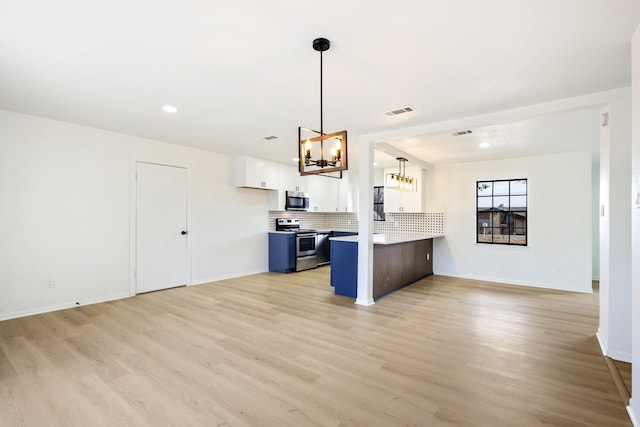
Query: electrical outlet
(53,283)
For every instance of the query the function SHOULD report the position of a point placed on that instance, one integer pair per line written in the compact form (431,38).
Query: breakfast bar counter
(398,260)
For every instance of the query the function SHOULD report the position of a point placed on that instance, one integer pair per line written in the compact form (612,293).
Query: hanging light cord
(321,124)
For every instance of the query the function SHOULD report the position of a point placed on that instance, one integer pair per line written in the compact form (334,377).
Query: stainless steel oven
(306,242)
(306,250)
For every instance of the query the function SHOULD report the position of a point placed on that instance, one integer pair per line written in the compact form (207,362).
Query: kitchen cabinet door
(417,260)
(345,199)
(294,181)
(256,173)
(337,195)
(282,252)
(387,269)
(277,199)
(392,201)
(321,194)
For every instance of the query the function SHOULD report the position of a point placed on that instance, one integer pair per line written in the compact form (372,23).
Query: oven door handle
(306,234)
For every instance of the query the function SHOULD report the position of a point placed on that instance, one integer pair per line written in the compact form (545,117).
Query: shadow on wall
(442,255)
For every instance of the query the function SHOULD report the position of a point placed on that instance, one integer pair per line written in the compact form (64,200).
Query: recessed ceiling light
(485,145)
(296,159)
(375,164)
(169,109)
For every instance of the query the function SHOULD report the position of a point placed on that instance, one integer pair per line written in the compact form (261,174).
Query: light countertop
(390,239)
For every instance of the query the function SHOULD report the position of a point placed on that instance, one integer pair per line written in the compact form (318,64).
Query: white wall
(614,330)
(558,254)
(634,406)
(66,214)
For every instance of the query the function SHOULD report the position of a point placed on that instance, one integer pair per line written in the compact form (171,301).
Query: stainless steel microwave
(296,201)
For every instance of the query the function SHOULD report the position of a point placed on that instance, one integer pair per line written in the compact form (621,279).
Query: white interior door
(161,227)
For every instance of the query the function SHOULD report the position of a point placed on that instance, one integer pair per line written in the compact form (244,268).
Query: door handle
(184,232)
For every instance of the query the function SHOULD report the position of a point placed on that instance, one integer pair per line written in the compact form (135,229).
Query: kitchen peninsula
(398,260)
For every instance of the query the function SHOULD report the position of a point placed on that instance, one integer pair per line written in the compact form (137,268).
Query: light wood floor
(282,350)
(624,369)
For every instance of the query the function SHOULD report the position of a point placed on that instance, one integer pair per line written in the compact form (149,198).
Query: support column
(634,404)
(614,332)
(365,224)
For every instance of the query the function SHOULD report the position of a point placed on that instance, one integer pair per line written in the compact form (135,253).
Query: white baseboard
(622,356)
(70,304)
(587,290)
(602,342)
(63,306)
(635,419)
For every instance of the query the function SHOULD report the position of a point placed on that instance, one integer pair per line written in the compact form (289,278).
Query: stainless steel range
(306,242)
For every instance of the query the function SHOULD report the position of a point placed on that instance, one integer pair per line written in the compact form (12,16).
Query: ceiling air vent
(401,110)
(270,137)
(462,132)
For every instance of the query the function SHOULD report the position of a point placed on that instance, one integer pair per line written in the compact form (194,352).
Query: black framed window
(378,203)
(501,212)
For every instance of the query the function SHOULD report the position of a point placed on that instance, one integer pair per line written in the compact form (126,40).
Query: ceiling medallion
(322,153)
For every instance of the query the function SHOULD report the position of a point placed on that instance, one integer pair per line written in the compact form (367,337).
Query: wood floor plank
(273,349)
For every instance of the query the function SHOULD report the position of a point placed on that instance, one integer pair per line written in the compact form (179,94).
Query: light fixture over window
(400,181)
(322,153)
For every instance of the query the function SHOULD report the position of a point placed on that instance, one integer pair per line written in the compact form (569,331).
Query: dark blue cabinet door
(344,268)
(282,252)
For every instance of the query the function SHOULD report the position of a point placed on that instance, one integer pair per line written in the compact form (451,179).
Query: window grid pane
(501,212)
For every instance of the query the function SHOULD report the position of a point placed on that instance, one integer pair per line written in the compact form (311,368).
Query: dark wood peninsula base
(395,265)
(400,264)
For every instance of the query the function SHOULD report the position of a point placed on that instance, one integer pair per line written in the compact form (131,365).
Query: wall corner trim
(635,419)
(602,342)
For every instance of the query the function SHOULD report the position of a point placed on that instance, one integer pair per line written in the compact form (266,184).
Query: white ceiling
(239,71)
(560,132)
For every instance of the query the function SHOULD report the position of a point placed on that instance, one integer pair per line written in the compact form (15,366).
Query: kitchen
(301,235)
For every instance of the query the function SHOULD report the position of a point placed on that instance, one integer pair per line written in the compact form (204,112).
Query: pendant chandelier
(401,181)
(321,153)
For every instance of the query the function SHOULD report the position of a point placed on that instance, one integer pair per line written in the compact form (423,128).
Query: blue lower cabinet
(282,252)
(344,268)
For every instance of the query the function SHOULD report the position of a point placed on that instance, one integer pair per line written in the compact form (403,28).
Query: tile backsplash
(427,222)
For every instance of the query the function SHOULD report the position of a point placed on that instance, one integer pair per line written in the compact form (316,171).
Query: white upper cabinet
(294,181)
(325,194)
(332,195)
(406,201)
(256,173)
(348,192)
(317,189)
